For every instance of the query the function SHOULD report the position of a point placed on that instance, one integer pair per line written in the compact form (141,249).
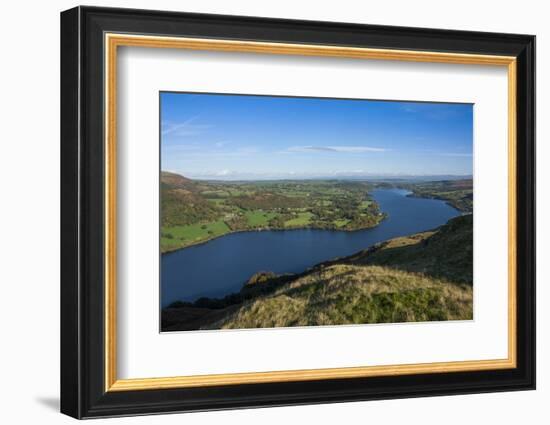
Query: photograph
(279,211)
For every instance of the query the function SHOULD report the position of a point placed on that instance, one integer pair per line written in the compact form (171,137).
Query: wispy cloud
(336,149)
(185,128)
(410,108)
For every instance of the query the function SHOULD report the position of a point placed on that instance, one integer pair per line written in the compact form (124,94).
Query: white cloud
(186,128)
(336,149)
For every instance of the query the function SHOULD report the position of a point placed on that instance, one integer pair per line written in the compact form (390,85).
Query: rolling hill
(196,211)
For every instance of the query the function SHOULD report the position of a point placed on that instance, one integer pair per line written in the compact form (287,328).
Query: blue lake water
(221,266)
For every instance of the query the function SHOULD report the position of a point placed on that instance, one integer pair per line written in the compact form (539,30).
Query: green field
(176,236)
(303,219)
(259,218)
(340,223)
(365,204)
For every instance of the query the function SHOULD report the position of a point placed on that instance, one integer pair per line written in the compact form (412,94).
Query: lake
(221,266)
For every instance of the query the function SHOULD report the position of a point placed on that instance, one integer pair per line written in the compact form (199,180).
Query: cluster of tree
(237,222)
(278,222)
(346,209)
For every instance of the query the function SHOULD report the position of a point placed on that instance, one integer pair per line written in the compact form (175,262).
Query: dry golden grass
(351,294)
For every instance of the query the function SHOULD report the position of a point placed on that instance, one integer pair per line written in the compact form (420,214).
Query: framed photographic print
(261,212)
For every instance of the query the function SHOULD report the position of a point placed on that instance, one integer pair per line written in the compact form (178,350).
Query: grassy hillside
(182,203)
(444,253)
(422,277)
(346,294)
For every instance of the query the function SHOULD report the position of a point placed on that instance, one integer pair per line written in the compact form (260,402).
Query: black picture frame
(83,392)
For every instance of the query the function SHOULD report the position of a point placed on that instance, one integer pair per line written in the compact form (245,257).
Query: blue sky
(229,137)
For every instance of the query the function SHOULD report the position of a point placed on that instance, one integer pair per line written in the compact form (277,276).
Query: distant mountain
(399,178)
(250,177)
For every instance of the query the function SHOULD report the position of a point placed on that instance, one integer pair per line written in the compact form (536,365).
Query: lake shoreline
(215,269)
(439,198)
(272,229)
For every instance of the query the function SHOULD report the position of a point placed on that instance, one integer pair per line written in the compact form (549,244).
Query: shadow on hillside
(446,254)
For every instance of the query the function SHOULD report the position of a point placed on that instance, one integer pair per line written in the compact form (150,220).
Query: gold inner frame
(113,41)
